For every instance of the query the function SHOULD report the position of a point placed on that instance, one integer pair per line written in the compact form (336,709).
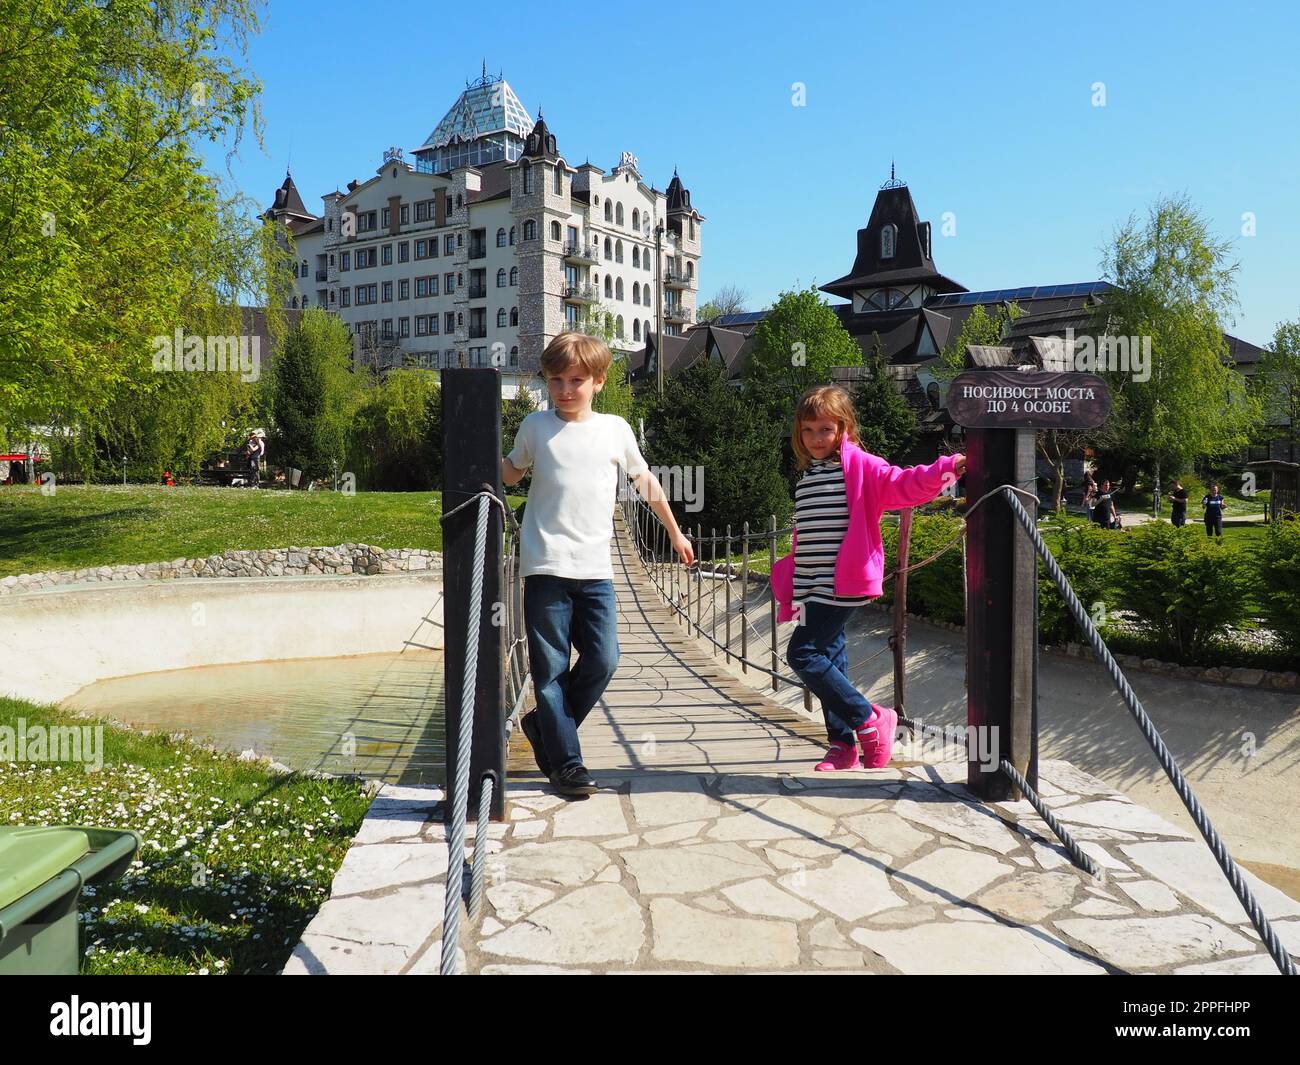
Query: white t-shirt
(569,518)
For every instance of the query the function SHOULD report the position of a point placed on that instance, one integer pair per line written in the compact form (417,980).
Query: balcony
(478,251)
(322,275)
(581,294)
(477,331)
(676,279)
(581,253)
(477,292)
(676,313)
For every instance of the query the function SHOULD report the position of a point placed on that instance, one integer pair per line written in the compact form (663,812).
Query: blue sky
(987,109)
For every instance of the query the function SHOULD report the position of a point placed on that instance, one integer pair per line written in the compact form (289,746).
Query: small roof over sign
(987,355)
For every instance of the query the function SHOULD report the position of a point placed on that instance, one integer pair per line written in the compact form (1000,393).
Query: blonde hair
(823,401)
(568,349)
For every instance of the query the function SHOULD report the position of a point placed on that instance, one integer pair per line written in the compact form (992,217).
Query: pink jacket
(871,486)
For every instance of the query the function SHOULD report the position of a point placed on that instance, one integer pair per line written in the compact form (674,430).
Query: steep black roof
(288,201)
(911,261)
(540,143)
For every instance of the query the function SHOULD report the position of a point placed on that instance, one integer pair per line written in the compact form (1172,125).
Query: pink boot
(840,756)
(877,737)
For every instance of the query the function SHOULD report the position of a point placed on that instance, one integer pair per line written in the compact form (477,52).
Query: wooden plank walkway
(671,706)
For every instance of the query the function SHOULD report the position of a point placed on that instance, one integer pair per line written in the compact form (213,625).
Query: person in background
(1179,497)
(254,449)
(1214,504)
(1103,510)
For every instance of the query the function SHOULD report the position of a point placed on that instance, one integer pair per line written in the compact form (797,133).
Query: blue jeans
(817,653)
(561,613)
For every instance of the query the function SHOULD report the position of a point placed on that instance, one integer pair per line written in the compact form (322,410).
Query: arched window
(609,211)
(555,230)
(530,229)
(618,251)
(512,236)
(690,270)
(618,214)
(460,200)
(501,278)
(514,315)
(329,225)
(609,288)
(527,171)
(636,329)
(501,237)
(618,289)
(514,355)
(618,329)
(559,182)
(888,241)
(692,229)
(636,291)
(636,219)
(501,317)
(636,255)
(514,276)
(609,247)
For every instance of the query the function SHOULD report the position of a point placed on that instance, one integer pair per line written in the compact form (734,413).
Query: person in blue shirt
(1214,504)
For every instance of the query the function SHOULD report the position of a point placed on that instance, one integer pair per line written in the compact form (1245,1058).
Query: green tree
(393,430)
(1174,288)
(316,395)
(704,427)
(1278,383)
(616,396)
(980,327)
(886,421)
(110,232)
(795,346)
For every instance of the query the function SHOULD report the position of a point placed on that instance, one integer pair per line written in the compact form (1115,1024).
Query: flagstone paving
(713,847)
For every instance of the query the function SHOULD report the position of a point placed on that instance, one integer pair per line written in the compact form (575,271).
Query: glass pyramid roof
(485,107)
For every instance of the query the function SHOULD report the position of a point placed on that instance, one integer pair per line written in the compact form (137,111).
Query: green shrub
(1187,588)
(937,590)
(1086,554)
(1277,586)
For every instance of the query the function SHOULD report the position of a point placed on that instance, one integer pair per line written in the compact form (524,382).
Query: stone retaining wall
(276,562)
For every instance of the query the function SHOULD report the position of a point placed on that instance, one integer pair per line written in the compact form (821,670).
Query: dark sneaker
(575,781)
(533,731)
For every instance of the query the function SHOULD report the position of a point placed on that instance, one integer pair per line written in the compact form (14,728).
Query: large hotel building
(492,244)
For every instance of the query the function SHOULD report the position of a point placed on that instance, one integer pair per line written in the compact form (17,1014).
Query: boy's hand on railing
(684,550)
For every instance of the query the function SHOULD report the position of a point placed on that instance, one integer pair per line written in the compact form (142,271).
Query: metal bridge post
(471,427)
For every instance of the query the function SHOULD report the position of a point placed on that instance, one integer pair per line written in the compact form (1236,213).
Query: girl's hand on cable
(683,548)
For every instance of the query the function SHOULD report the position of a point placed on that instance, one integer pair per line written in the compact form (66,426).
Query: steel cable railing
(650,547)
(516,677)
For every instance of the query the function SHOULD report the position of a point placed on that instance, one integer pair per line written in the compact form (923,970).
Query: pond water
(378,716)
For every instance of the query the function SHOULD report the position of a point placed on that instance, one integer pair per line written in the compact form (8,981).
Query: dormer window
(888,241)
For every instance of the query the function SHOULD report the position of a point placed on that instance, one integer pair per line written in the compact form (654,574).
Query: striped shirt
(821,518)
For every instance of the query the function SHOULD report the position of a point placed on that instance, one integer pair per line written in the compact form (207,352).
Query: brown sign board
(1015,399)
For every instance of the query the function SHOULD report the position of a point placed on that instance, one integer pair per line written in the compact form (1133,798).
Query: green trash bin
(42,872)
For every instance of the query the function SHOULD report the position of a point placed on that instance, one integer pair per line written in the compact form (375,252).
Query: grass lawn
(1196,491)
(82,526)
(234,860)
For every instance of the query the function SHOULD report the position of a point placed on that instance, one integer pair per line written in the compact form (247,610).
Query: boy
(564,549)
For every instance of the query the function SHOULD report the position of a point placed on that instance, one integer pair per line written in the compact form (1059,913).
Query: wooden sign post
(1002,411)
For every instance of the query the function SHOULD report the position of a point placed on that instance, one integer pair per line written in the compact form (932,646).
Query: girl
(838,564)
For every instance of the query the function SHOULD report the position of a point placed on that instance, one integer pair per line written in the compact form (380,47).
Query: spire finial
(891,169)
(485,68)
